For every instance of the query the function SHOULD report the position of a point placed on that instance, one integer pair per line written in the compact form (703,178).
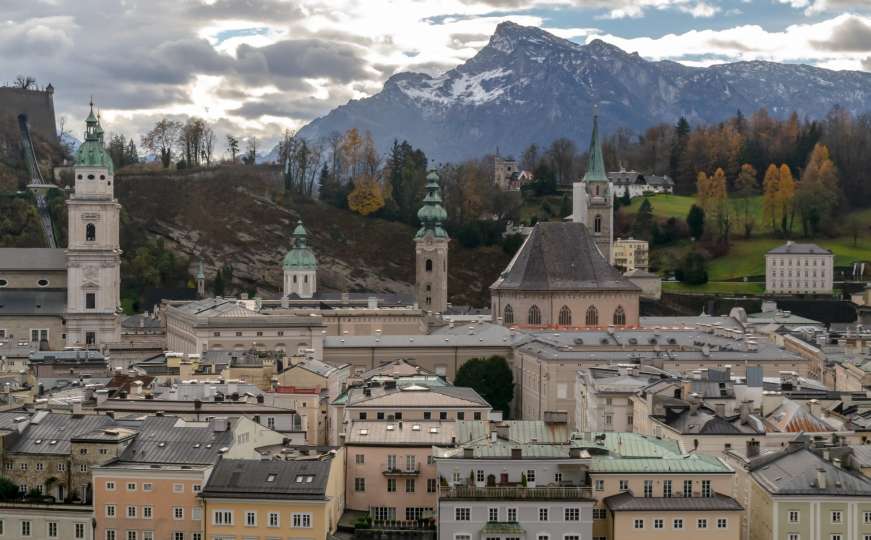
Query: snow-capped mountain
(530,86)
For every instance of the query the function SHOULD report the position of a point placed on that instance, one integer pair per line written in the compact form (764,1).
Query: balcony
(516,492)
(392,469)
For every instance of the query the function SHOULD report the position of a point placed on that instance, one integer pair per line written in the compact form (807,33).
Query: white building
(638,184)
(799,269)
(604,395)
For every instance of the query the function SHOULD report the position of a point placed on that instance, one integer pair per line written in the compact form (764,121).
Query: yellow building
(630,254)
(274,499)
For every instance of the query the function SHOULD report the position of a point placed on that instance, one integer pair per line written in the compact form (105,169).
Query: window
(196,488)
(461,415)
(360,459)
(592,316)
(722,523)
(110,486)
(110,510)
(147,486)
(90,232)
(443,415)
(42,283)
(624,485)
(866,517)
(79,531)
(565,316)
(793,536)
(638,524)
(90,338)
(597,222)
(648,488)
(542,514)
(512,515)
(557,477)
(222,517)
(363,416)
(530,475)
(178,535)
(196,513)
(147,512)
(131,512)
(38,334)
(492,514)
(619,316)
(794,516)
(508,314)
(149,535)
(25,528)
(250,519)
(572,514)
(658,523)
(110,534)
(301,521)
(600,485)
(609,419)
(666,488)
(273,519)
(462,514)
(836,537)
(409,485)
(391,485)
(178,488)
(687,488)
(429,265)
(431,485)
(706,488)
(52,529)
(836,516)
(83,467)
(177,512)
(702,523)
(131,535)
(677,523)
(534,315)
(90,300)
(427,415)
(600,513)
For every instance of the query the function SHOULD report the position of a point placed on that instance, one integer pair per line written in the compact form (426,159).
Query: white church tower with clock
(93,250)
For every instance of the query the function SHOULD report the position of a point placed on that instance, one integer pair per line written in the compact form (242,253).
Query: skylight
(270,477)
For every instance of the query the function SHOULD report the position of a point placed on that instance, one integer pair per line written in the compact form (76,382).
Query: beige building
(33,296)
(505,172)
(34,521)
(799,269)
(630,254)
(559,279)
(605,395)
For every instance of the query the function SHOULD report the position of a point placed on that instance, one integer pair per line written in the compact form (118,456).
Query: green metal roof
(595,163)
(693,463)
(92,153)
(432,214)
(628,445)
(300,256)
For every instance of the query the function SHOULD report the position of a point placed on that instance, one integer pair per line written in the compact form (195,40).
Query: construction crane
(37,184)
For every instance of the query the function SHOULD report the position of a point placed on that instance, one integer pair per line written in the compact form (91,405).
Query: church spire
(432,214)
(595,163)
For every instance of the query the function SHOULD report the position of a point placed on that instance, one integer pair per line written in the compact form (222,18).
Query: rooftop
(410,433)
(626,502)
(793,248)
(250,479)
(33,259)
(797,472)
(171,440)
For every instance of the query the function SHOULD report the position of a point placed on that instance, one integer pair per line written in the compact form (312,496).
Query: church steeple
(432,214)
(300,266)
(595,162)
(431,250)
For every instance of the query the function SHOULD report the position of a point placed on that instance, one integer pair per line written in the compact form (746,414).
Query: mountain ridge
(529,86)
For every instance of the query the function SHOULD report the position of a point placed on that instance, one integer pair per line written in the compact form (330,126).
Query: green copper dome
(595,163)
(300,257)
(92,152)
(432,214)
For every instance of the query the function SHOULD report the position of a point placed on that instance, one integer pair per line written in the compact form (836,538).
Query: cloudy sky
(256,67)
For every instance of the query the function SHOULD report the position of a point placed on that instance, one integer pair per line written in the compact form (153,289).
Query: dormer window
(90,177)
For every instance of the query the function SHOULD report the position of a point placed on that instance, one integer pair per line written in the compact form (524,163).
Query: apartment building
(629,254)
(604,395)
(799,269)
(274,499)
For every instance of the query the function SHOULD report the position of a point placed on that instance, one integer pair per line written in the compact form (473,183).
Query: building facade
(93,246)
(799,269)
(630,254)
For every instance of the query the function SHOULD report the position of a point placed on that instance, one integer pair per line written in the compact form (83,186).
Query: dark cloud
(852,35)
(298,58)
(257,10)
(729,44)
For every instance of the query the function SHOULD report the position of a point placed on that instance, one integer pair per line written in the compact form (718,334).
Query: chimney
(695,402)
(220,424)
(752,448)
(493,436)
(821,478)
(501,431)
(813,407)
(372,302)
(721,409)
(516,453)
(745,411)
(575,453)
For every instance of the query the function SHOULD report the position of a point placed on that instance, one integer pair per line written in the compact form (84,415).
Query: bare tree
(208,146)
(25,82)
(250,157)
(232,147)
(162,139)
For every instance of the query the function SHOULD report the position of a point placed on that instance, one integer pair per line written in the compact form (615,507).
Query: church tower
(93,250)
(593,197)
(431,251)
(201,280)
(300,266)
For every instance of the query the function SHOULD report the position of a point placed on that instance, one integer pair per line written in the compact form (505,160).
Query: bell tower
(300,266)
(431,251)
(593,197)
(93,250)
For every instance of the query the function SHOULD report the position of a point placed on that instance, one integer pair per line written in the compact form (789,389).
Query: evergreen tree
(693,269)
(642,227)
(492,378)
(218,285)
(696,221)
(745,189)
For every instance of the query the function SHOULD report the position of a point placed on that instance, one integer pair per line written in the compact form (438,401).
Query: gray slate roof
(170,440)
(561,257)
(792,248)
(795,473)
(628,502)
(32,259)
(32,302)
(47,428)
(249,479)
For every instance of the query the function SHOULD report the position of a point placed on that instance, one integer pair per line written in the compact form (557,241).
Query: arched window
(565,316)
(597,190)
(305,278)
(90,232)
(597,224)
(294,279)
(619,316)
(534,316)
(592,316)
(508,315)
(429,265)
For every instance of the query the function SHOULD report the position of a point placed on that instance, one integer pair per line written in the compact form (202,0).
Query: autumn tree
(785,198)
(745,189)
(366,197)
(771,196)
(162,140)
(818,192)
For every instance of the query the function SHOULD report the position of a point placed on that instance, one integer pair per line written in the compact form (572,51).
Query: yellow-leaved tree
(785,198)
(366,197)
(770,202)
(818,193)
